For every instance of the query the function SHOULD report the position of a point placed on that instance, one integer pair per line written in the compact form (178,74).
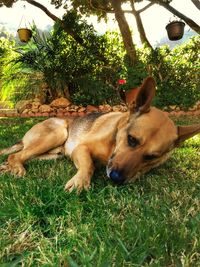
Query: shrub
(177,74)
(86,73)
(89,73)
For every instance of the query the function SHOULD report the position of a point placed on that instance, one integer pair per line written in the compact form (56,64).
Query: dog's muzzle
(115,175)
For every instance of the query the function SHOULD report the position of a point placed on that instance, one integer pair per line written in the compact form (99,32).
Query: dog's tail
(15,148)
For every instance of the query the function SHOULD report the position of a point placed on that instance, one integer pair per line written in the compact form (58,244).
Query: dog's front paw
(77,183)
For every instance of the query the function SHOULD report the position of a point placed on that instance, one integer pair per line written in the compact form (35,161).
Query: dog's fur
(129,143)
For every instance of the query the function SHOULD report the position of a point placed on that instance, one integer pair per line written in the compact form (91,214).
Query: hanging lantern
(175,30)
(24,33)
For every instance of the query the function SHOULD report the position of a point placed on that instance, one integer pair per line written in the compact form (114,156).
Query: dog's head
(146,138)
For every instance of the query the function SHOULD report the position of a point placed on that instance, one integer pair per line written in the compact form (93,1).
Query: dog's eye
(150,157)
(132,141)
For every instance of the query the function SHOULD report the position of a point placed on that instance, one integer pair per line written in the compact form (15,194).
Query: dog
(128,143)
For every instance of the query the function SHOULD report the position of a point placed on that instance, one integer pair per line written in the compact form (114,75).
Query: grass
(153,222)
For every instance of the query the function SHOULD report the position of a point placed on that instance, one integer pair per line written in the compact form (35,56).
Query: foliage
(7,3)
(153,222)
(67,66)
(15,81)
(90,79)
(177,74)
(133,75)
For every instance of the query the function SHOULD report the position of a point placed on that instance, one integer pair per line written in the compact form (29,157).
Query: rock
(119,108)
(81,114)
(45,108)
(81,109)
(193,108)
(22,105)
(172,107)
(105,108)
(91,108)
(60,103)
(34,110)
(26,111)
(180,113)
(72,108)
(45,114)
(198,104)
(36,104)
(9,112)
(196,113)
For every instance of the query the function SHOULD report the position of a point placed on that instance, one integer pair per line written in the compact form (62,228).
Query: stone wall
(62,107)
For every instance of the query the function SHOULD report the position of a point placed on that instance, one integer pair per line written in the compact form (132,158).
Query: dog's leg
(83,162)
(16,161)
(39,140)
(55,153)
(12,149)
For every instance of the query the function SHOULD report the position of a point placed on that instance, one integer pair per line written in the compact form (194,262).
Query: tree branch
(100,8)
(196,3)
(144,8)
(43,8)
(187,20)
(140,26)
(73,34)
(66,28)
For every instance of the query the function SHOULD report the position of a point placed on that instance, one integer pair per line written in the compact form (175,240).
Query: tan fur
(105,138)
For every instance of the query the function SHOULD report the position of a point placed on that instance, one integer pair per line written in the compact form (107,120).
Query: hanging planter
(175,30)
(24,34)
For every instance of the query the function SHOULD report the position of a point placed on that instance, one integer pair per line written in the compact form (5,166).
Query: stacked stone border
(82,111)
(62,108)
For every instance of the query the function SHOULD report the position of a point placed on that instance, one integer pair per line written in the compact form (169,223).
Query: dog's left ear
(185,132)
(144,97)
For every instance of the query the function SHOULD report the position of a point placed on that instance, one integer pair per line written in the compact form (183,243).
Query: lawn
(153,222)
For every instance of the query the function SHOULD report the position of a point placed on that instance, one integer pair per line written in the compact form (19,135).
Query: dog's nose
(116,177)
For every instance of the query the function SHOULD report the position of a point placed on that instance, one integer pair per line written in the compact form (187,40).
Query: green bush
(85,73)
(89,73)
(16,82)
(177,74)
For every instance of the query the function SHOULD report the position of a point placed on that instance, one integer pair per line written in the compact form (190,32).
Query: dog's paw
(18,171)
(77,183)
(4,168)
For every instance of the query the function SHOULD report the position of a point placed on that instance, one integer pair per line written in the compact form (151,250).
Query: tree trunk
(140,27)
(187,20)
(125,31)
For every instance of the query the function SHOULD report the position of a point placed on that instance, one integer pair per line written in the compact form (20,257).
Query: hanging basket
(175,30)
(24,34)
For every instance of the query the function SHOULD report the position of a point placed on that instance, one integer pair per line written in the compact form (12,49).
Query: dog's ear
(185,132)
(144,96)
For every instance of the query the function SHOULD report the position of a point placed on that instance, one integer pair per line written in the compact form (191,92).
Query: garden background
(153,222)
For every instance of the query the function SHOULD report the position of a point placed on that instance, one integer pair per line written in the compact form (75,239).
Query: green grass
(153,222)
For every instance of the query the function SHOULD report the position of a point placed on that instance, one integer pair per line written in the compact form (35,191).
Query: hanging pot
(175,30)
(24,34)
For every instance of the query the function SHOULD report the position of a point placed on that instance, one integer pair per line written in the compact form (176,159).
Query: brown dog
(129,143)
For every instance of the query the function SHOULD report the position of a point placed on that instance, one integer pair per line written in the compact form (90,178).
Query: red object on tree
(121,81)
